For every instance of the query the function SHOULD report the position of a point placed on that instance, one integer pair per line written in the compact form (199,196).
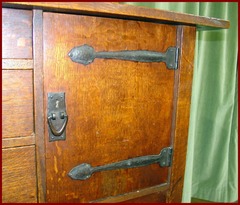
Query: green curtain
(212,164)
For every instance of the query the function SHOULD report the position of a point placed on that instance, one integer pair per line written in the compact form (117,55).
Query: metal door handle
(86,54)
(57,117)
(84,171)
(52,128)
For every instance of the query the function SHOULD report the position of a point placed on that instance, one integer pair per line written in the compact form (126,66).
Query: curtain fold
(213,163)
(212,159)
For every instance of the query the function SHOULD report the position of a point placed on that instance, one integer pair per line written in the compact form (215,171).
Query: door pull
(86,54)
(84,171)
(57,117)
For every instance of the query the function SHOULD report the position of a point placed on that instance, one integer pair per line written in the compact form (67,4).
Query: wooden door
(116,109)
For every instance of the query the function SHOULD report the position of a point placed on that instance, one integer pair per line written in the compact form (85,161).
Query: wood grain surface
(126,12)
(158,197)
(17,64)
(19,175)
(16,33)
(117,109)
(18,141)
(151,194)
(17,103)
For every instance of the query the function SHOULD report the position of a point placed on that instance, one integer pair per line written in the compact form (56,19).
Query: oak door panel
(117,109)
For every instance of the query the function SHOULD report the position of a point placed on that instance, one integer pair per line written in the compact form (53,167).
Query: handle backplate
(57,117)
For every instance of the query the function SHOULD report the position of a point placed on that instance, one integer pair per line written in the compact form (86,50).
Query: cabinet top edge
(116,10)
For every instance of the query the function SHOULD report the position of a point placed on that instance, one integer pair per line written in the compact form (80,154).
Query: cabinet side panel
(183,89)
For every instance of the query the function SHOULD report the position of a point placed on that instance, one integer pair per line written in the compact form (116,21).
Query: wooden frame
(38,103)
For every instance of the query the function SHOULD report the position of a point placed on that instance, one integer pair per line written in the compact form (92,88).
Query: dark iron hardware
(86,54)
(84,171)
(57,117)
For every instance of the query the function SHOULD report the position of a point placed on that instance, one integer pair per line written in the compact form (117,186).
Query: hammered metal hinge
(84,171)
(86,54)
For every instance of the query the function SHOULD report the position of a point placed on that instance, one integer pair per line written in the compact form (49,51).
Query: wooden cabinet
(116,110)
